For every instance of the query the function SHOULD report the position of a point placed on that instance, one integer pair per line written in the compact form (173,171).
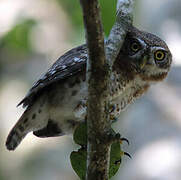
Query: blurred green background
(33,34)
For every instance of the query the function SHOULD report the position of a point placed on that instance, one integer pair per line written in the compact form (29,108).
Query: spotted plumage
(57,101)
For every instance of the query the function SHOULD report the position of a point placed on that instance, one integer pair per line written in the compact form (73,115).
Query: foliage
(17,39)
(108,10)
(78,158)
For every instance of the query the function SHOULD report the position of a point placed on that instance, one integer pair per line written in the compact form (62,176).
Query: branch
(124,18)
(98,76)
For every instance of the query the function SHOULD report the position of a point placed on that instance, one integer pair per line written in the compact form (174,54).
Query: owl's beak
(143,62)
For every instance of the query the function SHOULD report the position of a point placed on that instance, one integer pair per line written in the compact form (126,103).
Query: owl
(57,102)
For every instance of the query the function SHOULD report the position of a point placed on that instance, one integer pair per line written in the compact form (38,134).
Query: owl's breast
(68,101)
(131,91)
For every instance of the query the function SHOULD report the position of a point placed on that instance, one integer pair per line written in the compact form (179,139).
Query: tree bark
(99,68)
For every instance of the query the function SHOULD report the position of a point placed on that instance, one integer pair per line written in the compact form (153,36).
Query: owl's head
(146,55)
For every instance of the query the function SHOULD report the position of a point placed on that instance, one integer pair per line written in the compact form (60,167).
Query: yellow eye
(159,55)
(135,46)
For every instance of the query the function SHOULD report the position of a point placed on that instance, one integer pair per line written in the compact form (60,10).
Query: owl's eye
(135,47)
(159,55)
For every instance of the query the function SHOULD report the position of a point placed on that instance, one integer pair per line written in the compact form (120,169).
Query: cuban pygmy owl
(56,103)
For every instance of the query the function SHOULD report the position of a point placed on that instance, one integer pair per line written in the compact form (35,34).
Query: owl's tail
(29,121)
(18,132)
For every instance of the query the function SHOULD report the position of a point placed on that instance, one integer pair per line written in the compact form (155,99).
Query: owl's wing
(71,63)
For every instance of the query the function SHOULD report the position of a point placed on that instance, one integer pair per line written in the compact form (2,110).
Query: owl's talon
(122,154)
(118,162)
(117,138)
(113,118)
(112,108)
(124,139)
(127,154)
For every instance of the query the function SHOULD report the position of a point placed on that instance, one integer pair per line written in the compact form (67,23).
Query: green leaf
(115,156)
(78,161)
(78,158)
(80,135)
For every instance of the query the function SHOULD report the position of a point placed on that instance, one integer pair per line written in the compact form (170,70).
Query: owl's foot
(112,107)
(121,140)
(113,118)
(117,138)
(122,154)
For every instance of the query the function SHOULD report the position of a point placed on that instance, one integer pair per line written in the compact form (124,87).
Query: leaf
(78,158)
(115,156)
(80,135)
(78,161)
